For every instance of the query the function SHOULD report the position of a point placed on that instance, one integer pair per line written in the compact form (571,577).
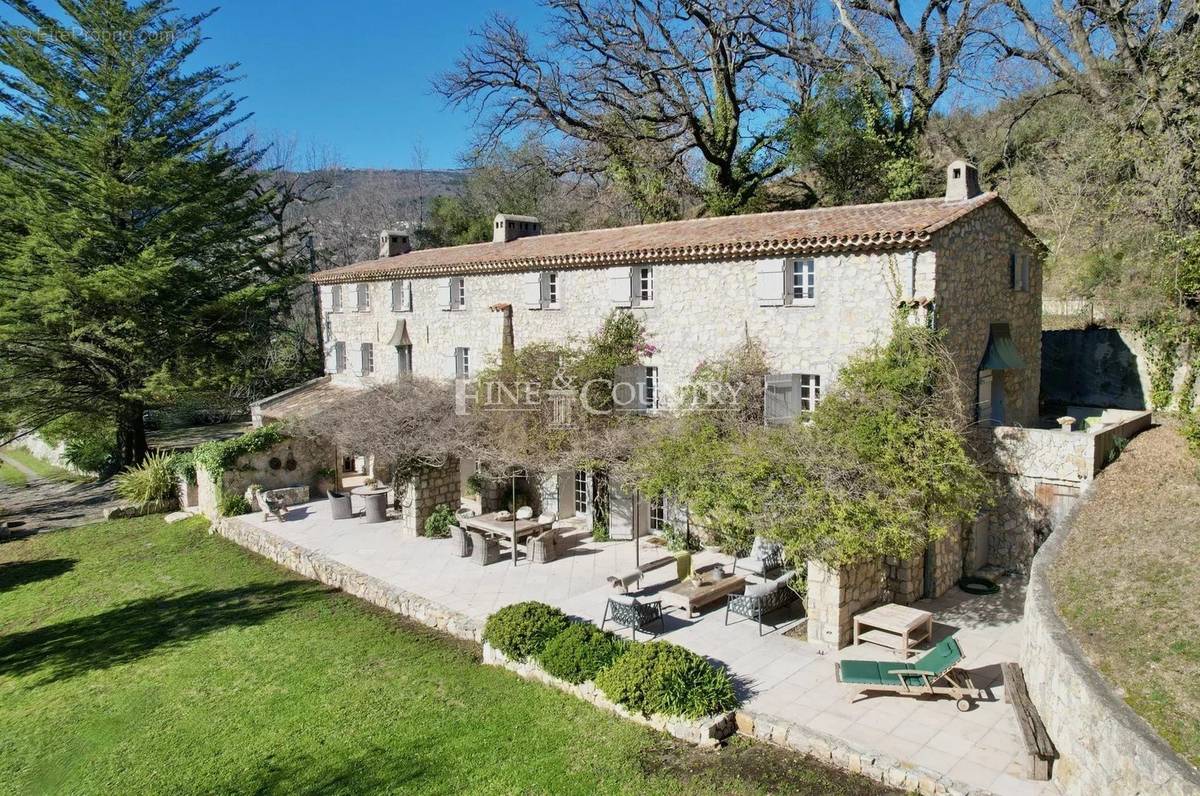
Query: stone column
(432,488)
(836,595)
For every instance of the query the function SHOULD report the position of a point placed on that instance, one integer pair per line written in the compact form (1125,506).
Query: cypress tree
(131,243)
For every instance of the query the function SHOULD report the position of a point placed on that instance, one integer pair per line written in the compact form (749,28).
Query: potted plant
(325,479)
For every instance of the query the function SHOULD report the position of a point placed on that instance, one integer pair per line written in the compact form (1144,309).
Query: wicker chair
(484,550)
(460,545)
(761,599)
(339,505)
(629,612)
(542,547)
(765,557)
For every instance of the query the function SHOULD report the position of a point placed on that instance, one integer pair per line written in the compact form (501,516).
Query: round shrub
(663,678)
(580,652)
(437,524)
(522,630)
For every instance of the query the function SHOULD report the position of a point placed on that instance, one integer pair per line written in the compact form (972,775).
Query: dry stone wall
(319,567)
(1104,747)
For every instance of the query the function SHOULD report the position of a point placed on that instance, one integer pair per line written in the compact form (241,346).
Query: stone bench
(1039,749)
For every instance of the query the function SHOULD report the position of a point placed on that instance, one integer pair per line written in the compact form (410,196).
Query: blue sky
(351,75)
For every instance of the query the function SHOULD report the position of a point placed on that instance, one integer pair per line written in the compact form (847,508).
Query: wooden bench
(1039,749)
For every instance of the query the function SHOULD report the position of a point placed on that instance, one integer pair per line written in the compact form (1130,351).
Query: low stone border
(707,732)
(316,566)
(1103,746)
(839,754)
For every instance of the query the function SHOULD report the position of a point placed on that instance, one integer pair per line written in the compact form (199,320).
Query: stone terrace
(785,682)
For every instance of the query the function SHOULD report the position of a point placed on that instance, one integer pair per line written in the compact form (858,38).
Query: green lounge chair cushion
(871,672)
(938,660)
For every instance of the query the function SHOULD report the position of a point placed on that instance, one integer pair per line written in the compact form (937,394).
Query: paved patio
(779,675)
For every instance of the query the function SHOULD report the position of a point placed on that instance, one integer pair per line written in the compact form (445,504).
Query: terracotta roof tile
(889,225)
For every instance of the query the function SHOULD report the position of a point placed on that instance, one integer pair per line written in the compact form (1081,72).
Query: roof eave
(770,248)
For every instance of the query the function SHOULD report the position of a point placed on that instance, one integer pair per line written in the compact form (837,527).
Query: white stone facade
(701,309)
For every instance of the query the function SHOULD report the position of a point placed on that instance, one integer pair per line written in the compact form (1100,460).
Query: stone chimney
(509,227)
(962,181)
(392,242)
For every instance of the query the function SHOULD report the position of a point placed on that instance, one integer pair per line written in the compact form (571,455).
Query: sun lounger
(935,673)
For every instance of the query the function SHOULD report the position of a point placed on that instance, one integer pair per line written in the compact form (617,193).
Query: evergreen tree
(132,264)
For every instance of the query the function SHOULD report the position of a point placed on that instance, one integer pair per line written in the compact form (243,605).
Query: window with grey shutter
(339,357)
(650,395)
(405,357)
(368,359)
(549,289)
(803,287)
(401,296)
(363,297)
(643,289)
(335,298)
(788,396)
(462,363)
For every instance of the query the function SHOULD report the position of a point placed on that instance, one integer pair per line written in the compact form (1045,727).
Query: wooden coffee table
(894,626)
(687,595)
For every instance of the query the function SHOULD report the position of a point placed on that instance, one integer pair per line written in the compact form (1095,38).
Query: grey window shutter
(620,286)
(339,357)
(771,282)
(397,296)
(406,296)
(335,298)
(779,398)
(443,293)
(531,290)
(628,388)
(985,397)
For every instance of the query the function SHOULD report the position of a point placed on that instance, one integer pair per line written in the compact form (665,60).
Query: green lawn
(44,469)
(1127,579)
(138,657)
(11,476)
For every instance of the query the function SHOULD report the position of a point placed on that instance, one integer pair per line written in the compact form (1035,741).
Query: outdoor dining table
(514,530)
(374,502)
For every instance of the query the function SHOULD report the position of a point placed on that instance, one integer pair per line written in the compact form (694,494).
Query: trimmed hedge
(522,630)
(581,652)
(663,678)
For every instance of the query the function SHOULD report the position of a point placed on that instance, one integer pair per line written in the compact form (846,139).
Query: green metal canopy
(1001,353)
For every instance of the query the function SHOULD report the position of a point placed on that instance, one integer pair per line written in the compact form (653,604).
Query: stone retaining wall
(708,731)
(1104,746)
(839,754)
(316,566)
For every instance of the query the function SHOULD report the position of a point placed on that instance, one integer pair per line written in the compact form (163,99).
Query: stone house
(814,286)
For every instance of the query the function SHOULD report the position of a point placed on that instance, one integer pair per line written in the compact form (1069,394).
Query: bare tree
(914,61)
(683,78)
(1101,47)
